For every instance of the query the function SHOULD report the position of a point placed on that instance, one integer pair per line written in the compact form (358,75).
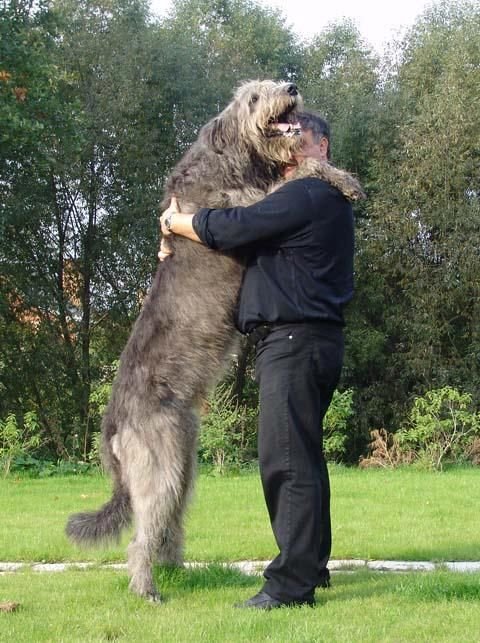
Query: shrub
(94,455)
(335,425)
(385,451)
(228,435)
(474,451)
(17,440)
(442,426)
(98,401)
(228,431)
(100,394)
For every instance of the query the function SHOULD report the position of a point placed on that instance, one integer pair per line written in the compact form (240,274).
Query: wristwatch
(167,221)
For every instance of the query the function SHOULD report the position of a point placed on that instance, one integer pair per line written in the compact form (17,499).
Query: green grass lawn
(377,514)
(360,607)
(403,514)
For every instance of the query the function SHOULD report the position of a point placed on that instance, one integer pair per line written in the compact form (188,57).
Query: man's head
(316,135)
(315,140)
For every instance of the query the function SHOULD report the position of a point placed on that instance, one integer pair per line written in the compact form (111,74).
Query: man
(299,275)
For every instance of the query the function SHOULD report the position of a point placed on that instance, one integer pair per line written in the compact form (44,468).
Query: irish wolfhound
(184,333)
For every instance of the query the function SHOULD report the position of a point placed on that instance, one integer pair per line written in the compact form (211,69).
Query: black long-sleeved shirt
(299,244)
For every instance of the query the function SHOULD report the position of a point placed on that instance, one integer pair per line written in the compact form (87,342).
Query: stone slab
(117,566)
(11,567)
(49,567)
(341,564)
(400,566)
(256,567)
(466,567)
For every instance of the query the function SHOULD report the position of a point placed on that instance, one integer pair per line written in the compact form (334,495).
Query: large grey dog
(185,332)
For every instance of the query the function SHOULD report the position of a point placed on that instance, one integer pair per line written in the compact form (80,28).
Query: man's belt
(262,330)
(259,332)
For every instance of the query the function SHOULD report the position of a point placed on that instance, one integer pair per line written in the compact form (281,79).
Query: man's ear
(323,145)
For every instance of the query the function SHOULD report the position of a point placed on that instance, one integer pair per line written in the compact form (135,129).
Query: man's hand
(172,221)
(165,250)
(166,217)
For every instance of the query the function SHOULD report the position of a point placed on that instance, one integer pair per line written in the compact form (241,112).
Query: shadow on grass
(213,576)
(420,586)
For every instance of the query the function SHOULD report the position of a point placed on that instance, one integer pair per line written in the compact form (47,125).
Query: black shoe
(324,579)
(263,601)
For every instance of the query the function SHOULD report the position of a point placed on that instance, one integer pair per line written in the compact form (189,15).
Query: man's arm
(223,229)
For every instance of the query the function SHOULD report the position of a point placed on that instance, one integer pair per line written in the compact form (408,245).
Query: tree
(97,115)
(33,321)
(426,208)
(218,44)
(339,78)
(80,202)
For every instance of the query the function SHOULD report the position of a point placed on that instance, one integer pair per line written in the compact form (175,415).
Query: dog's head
(262,117)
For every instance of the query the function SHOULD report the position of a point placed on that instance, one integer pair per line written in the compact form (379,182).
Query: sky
(379,21)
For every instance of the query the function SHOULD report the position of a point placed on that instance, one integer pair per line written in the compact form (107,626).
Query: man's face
(309,149)
(312,149)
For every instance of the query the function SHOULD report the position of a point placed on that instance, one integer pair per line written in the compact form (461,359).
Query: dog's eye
(253,99)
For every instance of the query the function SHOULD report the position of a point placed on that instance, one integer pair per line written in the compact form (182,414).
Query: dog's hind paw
(154,597)
(144,590)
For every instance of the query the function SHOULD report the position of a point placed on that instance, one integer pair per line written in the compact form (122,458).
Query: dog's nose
(292,89)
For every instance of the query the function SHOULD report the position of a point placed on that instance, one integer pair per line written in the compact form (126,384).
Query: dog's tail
(106,524)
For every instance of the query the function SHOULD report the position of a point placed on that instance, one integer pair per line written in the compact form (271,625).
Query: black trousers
(297,367)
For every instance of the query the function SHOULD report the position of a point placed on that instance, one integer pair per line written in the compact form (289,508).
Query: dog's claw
(154,598)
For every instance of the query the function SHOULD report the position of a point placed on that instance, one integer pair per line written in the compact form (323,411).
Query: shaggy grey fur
(184,333)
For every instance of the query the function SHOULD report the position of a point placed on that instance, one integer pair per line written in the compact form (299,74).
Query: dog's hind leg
(154,494)
(170,551)
(141,550)
(158,487)
(152,510)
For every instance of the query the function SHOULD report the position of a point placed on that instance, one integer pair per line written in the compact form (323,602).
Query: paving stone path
(256,567)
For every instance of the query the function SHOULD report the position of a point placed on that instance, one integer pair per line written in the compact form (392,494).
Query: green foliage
(34,467)
(228,431)
(336,427)
(98,119)
(94,455)
(339,78)
(100,393)
(417,260)
(441,427)
(16,439)
(99,397)
(228,435)
(99,101)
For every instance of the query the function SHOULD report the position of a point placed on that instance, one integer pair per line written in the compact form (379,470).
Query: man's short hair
(314,123)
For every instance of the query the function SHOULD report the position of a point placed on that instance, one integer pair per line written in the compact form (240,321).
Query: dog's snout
(292,89)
